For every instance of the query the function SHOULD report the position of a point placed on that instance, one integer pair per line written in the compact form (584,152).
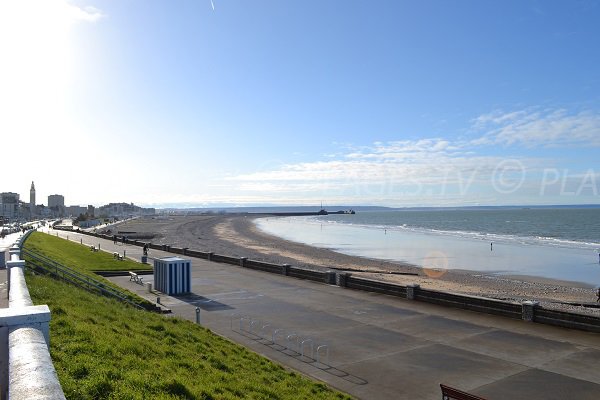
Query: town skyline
(14,207)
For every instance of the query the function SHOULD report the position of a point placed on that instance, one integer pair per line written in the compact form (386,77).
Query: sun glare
(37,58)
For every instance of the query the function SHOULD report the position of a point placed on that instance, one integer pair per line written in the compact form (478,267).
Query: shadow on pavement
(203,303)
(308,360)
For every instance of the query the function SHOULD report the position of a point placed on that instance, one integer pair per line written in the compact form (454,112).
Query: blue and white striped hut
(172,275)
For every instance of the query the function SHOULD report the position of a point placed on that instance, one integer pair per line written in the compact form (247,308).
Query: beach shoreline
(237,235)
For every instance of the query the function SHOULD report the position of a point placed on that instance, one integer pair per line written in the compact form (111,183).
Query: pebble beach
(237,235)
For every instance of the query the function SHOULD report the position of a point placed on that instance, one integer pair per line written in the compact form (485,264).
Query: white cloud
(44,12)
(549,128)
(437,169)
(386,171)
(89,14)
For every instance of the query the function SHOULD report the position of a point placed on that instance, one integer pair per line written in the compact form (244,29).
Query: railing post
(330,277)
(341,279)
(411,291)
(30,372)
(528,310)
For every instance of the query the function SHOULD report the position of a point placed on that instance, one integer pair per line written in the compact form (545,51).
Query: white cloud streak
(384,172)
(549,128)
(89,14)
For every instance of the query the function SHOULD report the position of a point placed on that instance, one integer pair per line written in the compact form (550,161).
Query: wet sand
(238,236)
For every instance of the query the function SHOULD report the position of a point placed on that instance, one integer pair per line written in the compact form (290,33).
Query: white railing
(26,369)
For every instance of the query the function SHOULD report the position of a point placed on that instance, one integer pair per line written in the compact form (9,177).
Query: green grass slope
(103,349)
(83,261)
(77,256)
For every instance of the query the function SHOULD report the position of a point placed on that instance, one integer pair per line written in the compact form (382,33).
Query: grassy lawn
(75,255)
(84,261)
(103,349)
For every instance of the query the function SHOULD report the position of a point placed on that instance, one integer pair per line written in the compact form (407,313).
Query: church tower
(32,200)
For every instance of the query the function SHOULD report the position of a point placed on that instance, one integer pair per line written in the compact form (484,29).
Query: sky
(193,103)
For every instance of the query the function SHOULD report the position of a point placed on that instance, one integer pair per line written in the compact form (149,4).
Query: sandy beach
(238,236)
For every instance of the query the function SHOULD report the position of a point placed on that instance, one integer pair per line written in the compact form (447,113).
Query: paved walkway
(383,347)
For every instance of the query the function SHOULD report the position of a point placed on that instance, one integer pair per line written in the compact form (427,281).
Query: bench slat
(450,393)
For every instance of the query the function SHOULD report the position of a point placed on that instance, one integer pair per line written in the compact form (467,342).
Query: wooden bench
(450,393)
(135,278)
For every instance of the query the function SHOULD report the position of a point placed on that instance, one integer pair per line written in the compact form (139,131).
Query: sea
(555,243)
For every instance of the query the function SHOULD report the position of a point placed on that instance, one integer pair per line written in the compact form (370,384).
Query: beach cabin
(172,275)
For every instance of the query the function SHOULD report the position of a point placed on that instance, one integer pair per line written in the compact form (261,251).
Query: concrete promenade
(383,347)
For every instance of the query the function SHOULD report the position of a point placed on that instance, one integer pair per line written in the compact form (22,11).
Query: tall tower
(32,199)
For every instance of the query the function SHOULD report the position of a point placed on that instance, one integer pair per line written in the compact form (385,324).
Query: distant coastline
(269,209)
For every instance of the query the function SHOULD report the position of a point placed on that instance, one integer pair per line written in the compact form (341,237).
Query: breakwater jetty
(306,213)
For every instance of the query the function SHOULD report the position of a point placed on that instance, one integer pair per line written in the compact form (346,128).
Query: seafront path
(380,347)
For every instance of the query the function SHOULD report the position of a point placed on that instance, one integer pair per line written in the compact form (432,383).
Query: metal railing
(27,371)
(291,343)
(40,262)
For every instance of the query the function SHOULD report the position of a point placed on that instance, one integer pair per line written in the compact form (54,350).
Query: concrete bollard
(17,263)
(341,279)
(13,252)
(330,277)
(198,315)
(158,300)
(528,310)
(411,291)
(285,269)
(243,261)
(148,286)
(144,259)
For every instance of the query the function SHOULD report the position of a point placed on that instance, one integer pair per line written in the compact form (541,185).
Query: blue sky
(296,102)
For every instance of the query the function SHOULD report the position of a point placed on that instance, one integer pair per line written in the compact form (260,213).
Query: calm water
(579,228)
(553,243)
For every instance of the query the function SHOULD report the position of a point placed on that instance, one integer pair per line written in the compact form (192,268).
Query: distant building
(56,205)
(89,223)
(23,209)
(123,210)
(9,206)
(76,211)
(91,210)
(56,200)
(43,211)
(32,210)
